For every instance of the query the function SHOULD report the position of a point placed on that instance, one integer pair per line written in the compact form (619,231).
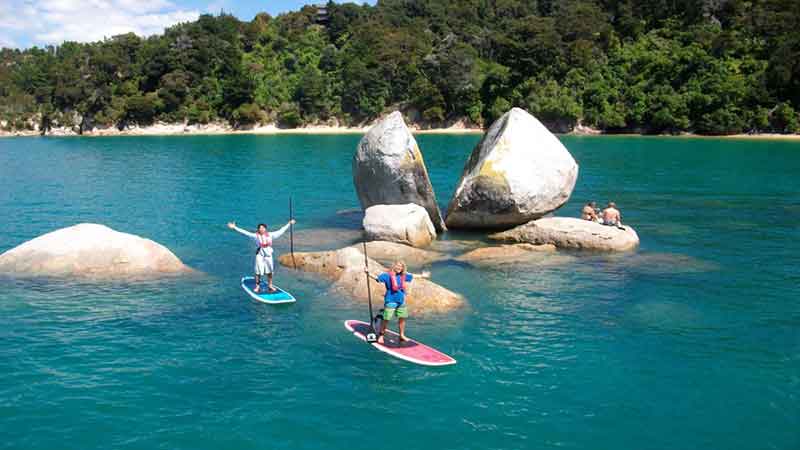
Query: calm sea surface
(693,342)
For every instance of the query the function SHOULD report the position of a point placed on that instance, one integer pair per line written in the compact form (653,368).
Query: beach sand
(220,128)
(166,129)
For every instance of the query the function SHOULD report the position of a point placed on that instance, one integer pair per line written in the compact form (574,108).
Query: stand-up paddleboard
(263,296)
(411,350)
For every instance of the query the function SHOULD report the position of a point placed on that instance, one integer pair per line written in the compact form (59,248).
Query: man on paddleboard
(394,301)
(263,240)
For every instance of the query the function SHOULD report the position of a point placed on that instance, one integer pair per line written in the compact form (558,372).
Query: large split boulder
(518,172)
(406,224)
(91,251)
(388,169)
(572,233)
(345,269)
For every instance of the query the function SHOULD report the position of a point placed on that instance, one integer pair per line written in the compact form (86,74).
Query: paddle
(371,337)
(291,233)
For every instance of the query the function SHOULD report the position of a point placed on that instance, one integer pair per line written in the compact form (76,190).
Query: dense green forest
(651,66)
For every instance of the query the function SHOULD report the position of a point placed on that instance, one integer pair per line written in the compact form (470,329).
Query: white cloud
(56,21)
(7,42)
(216,6)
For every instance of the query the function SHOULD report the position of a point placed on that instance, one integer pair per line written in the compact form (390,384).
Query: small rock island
(91,251)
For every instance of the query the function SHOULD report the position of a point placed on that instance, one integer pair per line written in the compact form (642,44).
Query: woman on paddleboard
(263,240)
(394,301)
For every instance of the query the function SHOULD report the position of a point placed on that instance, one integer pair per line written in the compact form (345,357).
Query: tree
(656,66)
(142,109)
(784,119)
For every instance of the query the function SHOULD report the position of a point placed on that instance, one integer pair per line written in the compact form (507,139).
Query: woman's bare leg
(401,323)
(384,324)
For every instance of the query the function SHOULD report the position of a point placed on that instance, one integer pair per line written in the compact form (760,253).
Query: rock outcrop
(406,224)
(91,251)
(388,169)
(518,172)
(529,255)
(345,269)
(509,251)
(572,233)
(389,252)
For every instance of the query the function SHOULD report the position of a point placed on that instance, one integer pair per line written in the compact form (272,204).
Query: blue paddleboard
(280,296)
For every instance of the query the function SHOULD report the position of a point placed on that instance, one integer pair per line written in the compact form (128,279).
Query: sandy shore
(764,136)
(757,136)
(165,129)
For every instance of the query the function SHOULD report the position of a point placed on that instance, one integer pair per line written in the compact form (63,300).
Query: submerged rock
(345,269)
(528,254)
(455,246)
(325,238)
(505,252)
(518,172)
(662,263)
(388,169)
(406,224)
(91,251)
(389,252)
(571,233)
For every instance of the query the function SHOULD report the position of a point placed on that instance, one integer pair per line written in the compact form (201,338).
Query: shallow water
(692,342)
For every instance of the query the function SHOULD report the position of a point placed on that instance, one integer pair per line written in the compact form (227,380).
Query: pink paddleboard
(411,351)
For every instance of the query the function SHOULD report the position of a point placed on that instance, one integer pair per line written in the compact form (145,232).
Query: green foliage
(554,105)
(433,114)
(247,114)
(199,112)
(498,108)
(142,108)
(650,66)
(784,119)
(289,116)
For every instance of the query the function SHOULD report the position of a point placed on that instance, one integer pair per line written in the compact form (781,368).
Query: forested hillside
(652,66)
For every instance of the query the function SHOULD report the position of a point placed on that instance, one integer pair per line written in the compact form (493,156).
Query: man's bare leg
(258,283)
(269,281)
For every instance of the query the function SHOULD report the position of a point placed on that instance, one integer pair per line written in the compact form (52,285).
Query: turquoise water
(691,343)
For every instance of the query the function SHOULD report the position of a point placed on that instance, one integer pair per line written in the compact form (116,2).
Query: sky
(24,23)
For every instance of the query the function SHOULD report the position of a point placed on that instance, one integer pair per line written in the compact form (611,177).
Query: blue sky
(24,23)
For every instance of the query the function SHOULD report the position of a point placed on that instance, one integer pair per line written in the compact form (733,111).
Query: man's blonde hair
(400,263)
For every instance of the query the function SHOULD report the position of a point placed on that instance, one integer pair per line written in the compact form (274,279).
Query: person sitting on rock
(589,212)
(394,301)
(263,240)
(611,216)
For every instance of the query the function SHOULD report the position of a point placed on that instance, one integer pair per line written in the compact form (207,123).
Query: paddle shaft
(291,233)
(369,291)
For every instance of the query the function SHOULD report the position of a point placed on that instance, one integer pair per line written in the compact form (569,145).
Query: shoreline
(216,129)
(754,137)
